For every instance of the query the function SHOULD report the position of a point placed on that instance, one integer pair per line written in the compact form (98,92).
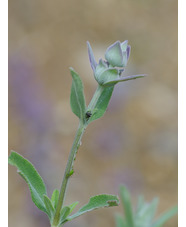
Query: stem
(72,156)
(68,169)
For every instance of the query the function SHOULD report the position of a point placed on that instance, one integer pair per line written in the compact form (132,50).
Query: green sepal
(122,79)
(111,74)
(54,198)
(77,98)
(32,177)
(96,202)
(49,208)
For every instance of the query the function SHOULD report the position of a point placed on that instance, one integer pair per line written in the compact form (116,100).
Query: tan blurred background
(135,143)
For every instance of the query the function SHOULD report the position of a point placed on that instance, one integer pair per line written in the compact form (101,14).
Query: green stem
(72,156)
(68,170)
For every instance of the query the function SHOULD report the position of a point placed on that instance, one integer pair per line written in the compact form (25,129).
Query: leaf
(125,197)
(120,221)
(66,211)
(63,215)
(54,198)
(165,217)
(96,202)
(77,99)
(140,203)
(149,215)
(101,103)
(146,213)
(32,177)
(49,207)
(73,205)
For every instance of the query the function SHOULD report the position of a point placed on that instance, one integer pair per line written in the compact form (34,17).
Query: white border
(181,111)
(4,112)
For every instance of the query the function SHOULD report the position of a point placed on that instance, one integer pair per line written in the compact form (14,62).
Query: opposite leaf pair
(47,205)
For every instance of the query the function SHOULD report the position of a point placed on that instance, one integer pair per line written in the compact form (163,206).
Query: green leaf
(32,177)
(165,217)
(49,207)
(146,213)
(102,102)
(54,198)
(77,99)
(72,206)
(126,201)
(63,215)
(140,203)
(120,221)
(66,211)
(96,202)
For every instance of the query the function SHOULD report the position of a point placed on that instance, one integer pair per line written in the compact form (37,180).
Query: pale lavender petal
(124,45)
(128,51)
(92,60)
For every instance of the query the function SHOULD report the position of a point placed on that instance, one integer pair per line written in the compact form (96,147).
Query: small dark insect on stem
(88,114)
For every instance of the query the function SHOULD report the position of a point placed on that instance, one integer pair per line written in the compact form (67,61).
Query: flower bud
(108,73)
(118,54)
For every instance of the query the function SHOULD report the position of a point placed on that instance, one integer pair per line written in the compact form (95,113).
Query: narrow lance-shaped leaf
(66,211)
(165,217)
(32,177)
(96,202)
(77,99)
(120,221)
(125,198)
(146,212)
(63,215)
(140,204)
(73,205)
(49,207)
(54,198)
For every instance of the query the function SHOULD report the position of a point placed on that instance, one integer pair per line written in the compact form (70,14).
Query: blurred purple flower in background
(31,108)
(27,93)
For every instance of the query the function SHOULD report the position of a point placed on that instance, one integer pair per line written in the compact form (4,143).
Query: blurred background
(134,144)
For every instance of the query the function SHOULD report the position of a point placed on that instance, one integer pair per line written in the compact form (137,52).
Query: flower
(108,72)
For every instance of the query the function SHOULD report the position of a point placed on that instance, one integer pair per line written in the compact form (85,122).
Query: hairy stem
(72,156)
(69,168)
